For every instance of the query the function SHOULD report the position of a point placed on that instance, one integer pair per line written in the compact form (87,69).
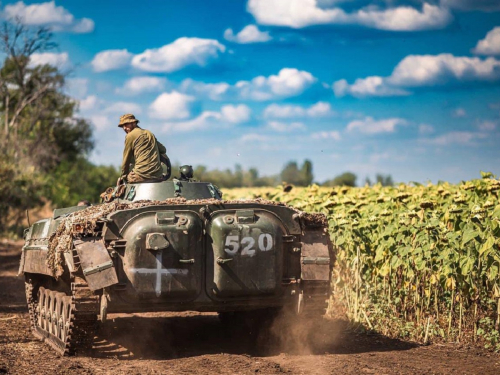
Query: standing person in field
(142,153)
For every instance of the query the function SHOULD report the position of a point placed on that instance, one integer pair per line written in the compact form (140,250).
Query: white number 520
(233,244)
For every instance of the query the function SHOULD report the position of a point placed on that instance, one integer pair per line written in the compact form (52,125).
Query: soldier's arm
(161,148)
(128,153)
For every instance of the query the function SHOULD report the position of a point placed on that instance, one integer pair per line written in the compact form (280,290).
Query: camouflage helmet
(127,119)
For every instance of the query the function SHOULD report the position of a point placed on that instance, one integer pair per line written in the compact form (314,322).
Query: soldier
(142,153)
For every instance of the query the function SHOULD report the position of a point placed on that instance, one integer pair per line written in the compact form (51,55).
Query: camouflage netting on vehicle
(62,239)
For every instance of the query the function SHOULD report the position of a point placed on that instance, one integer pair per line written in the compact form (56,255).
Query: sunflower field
(414,261)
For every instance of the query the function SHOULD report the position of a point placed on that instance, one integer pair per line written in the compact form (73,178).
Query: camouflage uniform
(141,156)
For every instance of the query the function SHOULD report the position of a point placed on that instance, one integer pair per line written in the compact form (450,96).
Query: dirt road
(194,343)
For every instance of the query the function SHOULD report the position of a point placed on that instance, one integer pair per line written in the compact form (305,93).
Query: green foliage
(291,173)
(489,333)
(78,180)
(384,180)
(344,179)
(18,189)
(414,256)
(306,172)
(41,139)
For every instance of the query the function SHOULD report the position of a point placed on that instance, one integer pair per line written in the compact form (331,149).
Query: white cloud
(490,45)
(88,103)
(370,86)
(459,113)
(376,157)
(370,126)
(425,129)
(101,122)
(483,5)
(457,137)
(228,115)
(302,13)
(139,85)
(123,107)
(214,91)
(77,87)
(197,123)
(420,71)
(284,127)
(292,13)
(47,14)
(425,70)
(235,114)
(404,18)
(85,25)
(111,60)
(254,137)
(487,125)
(172,106)
(334,135)
(178,54)
(320,109)
(289,82)
(284,111)
(100,111)
(58,60)
(104,114)
(249,34)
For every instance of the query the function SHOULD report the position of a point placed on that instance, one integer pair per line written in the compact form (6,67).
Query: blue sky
(407,88)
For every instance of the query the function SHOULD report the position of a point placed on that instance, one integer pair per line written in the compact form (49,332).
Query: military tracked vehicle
(171,246)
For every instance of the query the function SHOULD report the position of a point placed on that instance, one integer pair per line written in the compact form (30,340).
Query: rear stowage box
(163,258)
(244,253)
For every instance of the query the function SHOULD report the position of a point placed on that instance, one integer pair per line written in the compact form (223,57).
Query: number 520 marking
(233,244)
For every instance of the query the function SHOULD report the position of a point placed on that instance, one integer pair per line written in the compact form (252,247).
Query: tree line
(291,173)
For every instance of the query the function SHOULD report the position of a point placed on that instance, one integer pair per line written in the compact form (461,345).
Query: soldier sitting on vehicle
(142,155)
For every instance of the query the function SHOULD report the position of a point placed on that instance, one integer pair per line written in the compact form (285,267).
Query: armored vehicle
(171,246)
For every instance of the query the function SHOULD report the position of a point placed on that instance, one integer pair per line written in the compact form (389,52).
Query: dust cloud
(299,335)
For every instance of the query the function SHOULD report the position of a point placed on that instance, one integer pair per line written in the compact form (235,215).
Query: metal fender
(97,265)
(315,255)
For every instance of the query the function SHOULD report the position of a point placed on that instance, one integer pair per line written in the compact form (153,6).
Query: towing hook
(223,261)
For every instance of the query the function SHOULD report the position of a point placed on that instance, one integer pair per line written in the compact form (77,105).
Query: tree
(344,179)
(39,119)
(40,130)
(293,175)
(306,172)
(79,179)
(384,180)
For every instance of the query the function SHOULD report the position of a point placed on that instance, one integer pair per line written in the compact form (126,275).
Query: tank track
(31,301)
(66,323)
(315,297)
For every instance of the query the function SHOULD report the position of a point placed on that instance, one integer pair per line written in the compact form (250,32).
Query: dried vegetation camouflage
(62,238)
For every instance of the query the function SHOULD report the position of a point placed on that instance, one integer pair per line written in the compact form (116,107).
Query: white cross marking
(159,270)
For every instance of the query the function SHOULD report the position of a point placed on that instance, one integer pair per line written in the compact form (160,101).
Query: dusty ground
(194,343)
